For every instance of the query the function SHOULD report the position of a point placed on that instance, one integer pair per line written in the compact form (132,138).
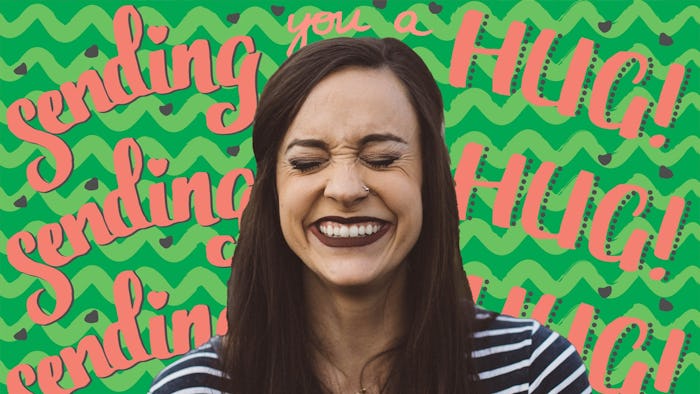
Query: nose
(345,185)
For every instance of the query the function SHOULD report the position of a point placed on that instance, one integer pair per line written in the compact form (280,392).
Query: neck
(352,326)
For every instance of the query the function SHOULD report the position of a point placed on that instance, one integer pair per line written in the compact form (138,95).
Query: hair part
(267,349)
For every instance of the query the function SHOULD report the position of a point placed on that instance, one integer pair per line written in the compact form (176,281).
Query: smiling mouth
(349,232)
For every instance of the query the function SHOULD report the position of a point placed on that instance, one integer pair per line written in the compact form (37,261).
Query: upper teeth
(337,230)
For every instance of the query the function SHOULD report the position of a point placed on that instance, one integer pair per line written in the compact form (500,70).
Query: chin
(360,276)
(349,279)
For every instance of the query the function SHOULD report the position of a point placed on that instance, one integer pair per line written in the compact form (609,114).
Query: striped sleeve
(500,354)
(194,372)
(521,356)
(555,367)
(511,356)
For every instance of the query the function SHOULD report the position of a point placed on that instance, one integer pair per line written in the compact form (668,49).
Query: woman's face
(356,128)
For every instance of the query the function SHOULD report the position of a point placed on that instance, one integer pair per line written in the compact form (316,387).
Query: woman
(347,277)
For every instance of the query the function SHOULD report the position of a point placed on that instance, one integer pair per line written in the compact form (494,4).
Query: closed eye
(305,165)
(380,162)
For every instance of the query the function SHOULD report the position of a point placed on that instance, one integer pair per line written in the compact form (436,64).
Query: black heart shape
(434,7)
(605,291)
(166,109)
(665,39)
(605,26)
(166,242)
(21,69)
(664,305)
(92,317)
(277,10)
(233,18)
(665,172)
(233,150)
(92,184)
(604,159)
(21,335)
(92,51)
(379,4)
(21,202)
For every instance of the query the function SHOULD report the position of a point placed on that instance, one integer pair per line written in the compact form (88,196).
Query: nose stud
(365,188)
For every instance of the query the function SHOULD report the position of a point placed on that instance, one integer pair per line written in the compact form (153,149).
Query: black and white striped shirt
(512,356)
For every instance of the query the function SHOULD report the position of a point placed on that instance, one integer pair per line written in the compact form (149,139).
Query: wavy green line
(94,276)
(201,18)
(579,12)
(117,382)
(559,200)
(582,140)
(580,271)
(74,331)
(44,59)
(481,231)
(530,139)
(125,248)
(622,367)
(557,70)
(197,18)
(526,139)
(153,367)
(125,120)
(78,328)
(66,335)
(456,111)
(187,243)
(197,148)
(123,381)
(481,100)
(78,197)
(688,318)
(477,228)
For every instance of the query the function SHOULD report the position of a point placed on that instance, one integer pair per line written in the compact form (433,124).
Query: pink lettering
(110,90)
(315,21)
(410,27)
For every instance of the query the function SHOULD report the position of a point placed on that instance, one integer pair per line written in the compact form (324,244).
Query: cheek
(416,213)
(289,224)
(285,205)
(413,202)
(406,201)
(293,206)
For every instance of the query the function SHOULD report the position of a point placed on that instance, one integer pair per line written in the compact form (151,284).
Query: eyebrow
(381,138)
(314,143)
(308,143)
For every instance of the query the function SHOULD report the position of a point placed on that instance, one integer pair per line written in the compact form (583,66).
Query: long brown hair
(267,349)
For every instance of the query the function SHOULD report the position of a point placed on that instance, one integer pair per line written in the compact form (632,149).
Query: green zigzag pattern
(207,20)
(44,59)
(200,278)
(578,279)
(457,109)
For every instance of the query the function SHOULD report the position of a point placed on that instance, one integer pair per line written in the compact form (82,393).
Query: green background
(51,39)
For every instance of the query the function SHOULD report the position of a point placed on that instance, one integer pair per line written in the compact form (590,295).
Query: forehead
(352,103)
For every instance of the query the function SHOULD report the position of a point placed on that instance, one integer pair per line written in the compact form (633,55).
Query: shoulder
(520,355)
(195,371)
